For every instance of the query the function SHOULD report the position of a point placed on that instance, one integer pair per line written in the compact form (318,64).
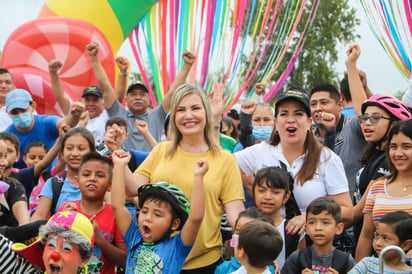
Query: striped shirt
(370,265)
(11,262)
(379,201)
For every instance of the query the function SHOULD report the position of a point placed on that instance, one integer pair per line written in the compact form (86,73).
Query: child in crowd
(35,155)
(28,176)
(323,222)
(13,201)
(64,246)
(114,138)
(94,179)
(164,209)
(250,214)
(259,245)
(59,189)
(272,188)
(393,229)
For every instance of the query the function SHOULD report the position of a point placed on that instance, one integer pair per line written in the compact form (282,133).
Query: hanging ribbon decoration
(222,33)
(391,23)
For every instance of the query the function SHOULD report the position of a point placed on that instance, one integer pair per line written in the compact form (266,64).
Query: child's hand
(84,119)
(121,157)
(248,107)
(55,65)
(307,271)
(122,63)
(332,271)
(70,206)
(202,167)
(63,129)
(92,49)
(142,126)
(98,238)
(77,109)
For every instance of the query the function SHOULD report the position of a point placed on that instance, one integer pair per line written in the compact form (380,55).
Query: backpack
(57,185)
(339,260)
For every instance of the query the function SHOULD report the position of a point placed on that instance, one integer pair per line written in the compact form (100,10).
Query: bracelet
(123,74)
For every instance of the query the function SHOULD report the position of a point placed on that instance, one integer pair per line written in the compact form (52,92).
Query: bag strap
(340,261)
(291,241)
(305,258)
(57,185)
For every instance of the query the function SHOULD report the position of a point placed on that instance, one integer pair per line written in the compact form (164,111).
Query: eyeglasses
(374,118)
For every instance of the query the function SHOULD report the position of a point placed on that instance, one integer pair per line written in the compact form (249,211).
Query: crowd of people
(318,183)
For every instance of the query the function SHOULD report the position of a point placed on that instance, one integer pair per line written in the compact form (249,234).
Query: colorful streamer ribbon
(221,33)
(391,23)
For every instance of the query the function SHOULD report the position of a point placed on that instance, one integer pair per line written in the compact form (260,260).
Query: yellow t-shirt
(222,184)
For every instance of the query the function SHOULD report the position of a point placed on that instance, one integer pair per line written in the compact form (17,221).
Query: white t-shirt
(329,179)
(97,126)
(5,120)
(242,270)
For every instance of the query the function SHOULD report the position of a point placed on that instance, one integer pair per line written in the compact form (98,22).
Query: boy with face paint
(64,246)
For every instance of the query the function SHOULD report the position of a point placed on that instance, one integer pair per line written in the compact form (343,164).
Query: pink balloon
(33,45)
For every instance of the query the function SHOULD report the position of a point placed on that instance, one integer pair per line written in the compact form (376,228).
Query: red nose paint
(55,255)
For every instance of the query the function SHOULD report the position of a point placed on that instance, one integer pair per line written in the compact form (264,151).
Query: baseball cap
(93,90)
(18,98)
(297,95)
(137,84)
(71,220)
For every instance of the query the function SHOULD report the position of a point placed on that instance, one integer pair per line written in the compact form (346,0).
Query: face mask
(22,120)
(262,133)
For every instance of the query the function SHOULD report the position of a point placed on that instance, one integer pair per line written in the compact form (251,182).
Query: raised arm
(121,84)
(180,79)
(57,88)
(123,218)
(109,96)
(197,207)
(51,154)
(246,137)
(72,119)
(144,130)
(355,84)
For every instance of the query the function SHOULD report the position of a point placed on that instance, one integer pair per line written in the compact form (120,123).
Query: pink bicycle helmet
(389,103)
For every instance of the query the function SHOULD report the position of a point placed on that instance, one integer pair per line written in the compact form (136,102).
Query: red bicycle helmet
(389,103)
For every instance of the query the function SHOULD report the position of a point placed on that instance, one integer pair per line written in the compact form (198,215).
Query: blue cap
(18,98)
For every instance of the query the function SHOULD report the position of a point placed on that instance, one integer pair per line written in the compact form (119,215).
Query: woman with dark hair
(316,169)
(390,193)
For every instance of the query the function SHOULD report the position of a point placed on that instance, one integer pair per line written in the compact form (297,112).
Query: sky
(382,74)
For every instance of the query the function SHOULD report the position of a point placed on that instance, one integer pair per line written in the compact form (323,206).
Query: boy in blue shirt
(164,209)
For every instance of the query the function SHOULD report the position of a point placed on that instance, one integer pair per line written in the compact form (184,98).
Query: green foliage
(334,23)
(399,94)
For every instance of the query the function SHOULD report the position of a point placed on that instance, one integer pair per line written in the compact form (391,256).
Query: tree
(334,23)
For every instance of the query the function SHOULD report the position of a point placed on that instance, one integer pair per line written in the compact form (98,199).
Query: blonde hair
(175,136)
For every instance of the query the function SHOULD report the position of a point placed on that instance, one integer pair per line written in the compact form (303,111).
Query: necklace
(404,188)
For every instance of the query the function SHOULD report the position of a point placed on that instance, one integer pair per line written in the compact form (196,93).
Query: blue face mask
(262,133)
(22,120)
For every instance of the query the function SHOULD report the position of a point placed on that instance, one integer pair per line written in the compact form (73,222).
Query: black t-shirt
(15,193)
(376,167)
